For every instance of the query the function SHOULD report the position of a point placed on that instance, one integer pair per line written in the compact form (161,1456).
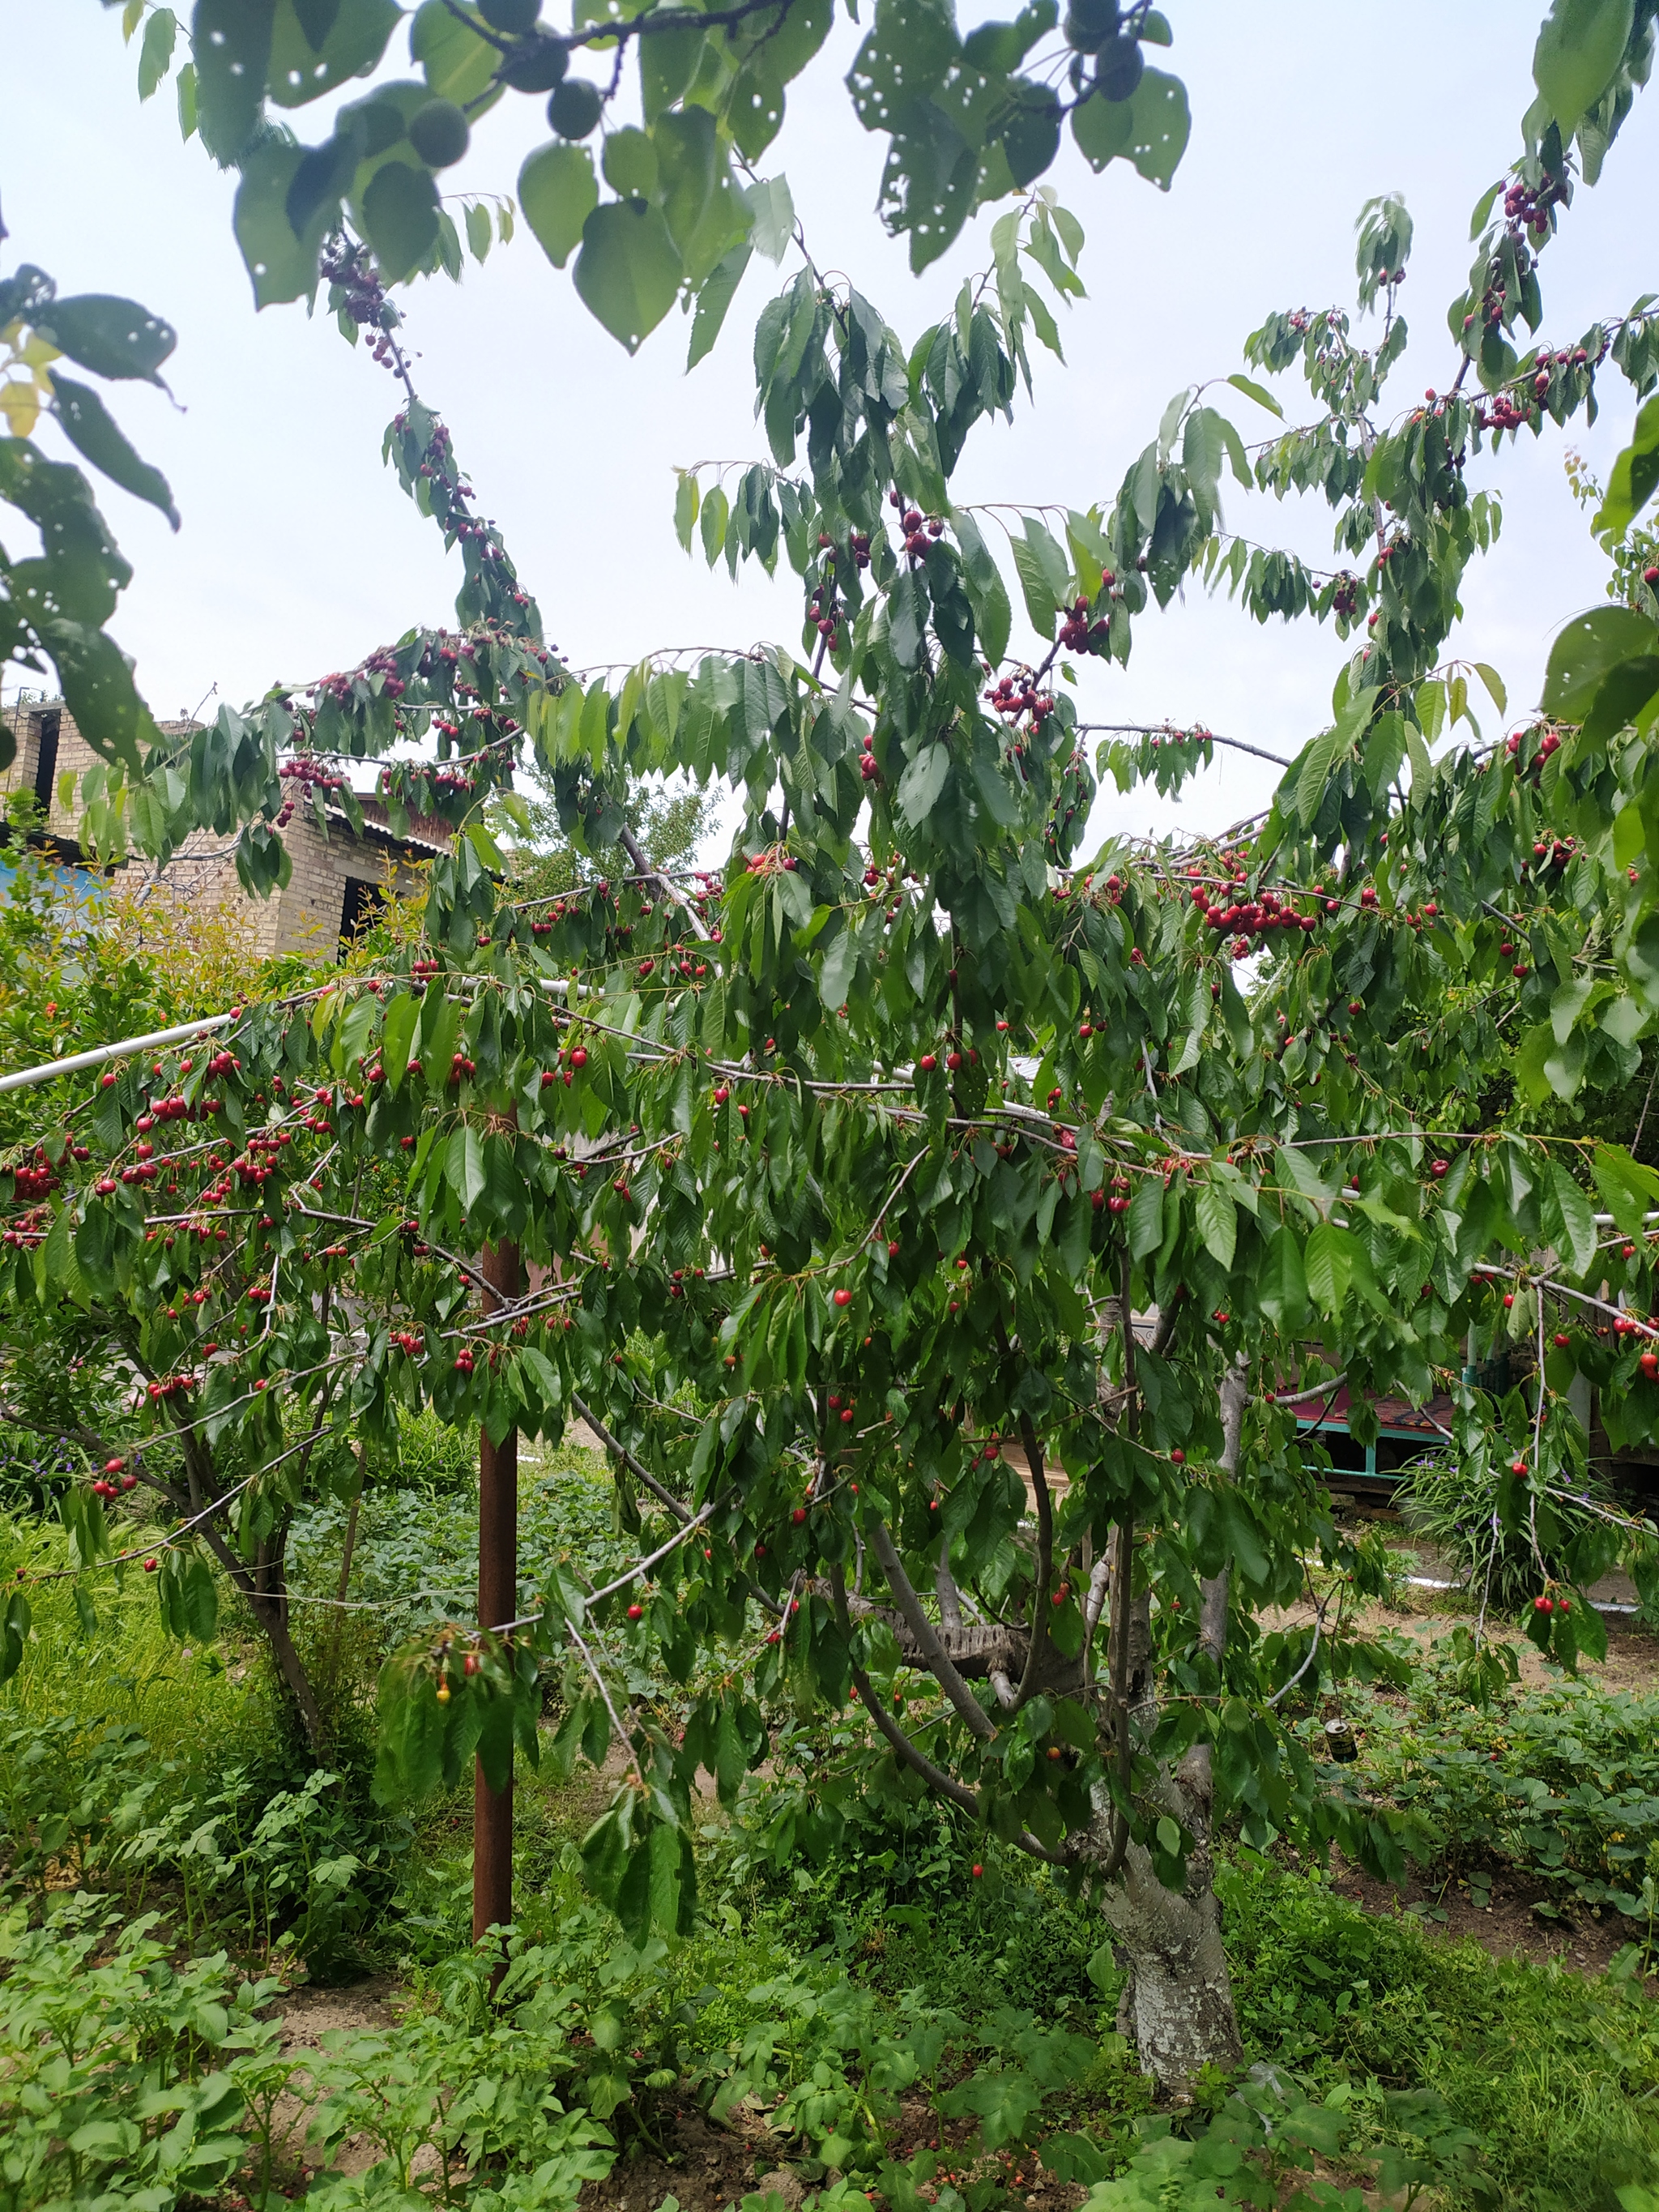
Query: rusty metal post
(498,1601)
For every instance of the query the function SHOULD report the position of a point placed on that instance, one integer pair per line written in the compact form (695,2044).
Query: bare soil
(708,2168)
(309,2015)
(1508,1927)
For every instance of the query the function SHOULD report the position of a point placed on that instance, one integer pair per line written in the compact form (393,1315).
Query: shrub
(1455,1506)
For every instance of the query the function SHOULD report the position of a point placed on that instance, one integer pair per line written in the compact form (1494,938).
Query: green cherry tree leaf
(400,214)
(1632,480)
(155,52)
(1161,124)
(557,193)
(628,270)
(1586,652)
(1102,129)
(1580,45)
(113,338)
(715,295)
(315,50)
(281,262)
(230,42)
(93,431)
(459,62)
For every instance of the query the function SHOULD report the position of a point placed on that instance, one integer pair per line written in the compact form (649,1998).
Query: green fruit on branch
(1118,68)
(574,110)
(1091,23)
(439,133)
(538,66)
(513,18)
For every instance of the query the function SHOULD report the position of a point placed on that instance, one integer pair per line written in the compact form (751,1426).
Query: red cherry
(722,1092)
(150,1566)
(1542,1605)
(637,1612)
(1562,1340)
(1177,1457)
(798,1515)
(579,1057)
(927,1063)
(976,1871)
(843,1298)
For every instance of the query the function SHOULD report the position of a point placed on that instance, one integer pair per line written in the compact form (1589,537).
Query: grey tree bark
(1178,2003)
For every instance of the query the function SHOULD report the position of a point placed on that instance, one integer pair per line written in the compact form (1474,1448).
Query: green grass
(1559,2073)
(125,1668)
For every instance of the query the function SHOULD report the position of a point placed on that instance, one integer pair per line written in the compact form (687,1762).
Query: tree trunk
(1178,2003)
(271,1615)
(269,1611)
(1179,2000)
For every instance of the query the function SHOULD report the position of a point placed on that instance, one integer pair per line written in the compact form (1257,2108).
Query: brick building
(338,883)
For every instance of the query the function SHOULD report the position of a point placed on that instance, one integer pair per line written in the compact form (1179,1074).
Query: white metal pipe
(27,1076)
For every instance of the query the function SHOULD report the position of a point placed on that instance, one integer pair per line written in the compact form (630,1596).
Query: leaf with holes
(315,49)
(628,271)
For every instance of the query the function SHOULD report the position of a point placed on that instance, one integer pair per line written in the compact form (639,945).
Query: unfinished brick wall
(306,914)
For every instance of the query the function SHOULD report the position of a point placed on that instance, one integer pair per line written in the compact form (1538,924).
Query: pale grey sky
(298,554)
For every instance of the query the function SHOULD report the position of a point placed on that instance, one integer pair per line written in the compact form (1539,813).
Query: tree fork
(498,1601)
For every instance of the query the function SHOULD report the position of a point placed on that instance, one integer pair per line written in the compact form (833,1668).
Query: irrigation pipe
(28,1076)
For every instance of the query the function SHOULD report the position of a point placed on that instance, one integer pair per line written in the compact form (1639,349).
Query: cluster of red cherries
(124,1480)
(1014,695)
(1251,920)
(920,530)
(1077,633)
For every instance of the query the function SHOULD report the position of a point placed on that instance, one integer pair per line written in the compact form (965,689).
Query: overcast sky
(298,554)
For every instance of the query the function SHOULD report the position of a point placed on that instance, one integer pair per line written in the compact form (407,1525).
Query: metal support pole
(498,1601)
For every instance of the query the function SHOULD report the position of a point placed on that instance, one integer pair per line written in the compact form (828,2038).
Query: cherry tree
(940,1222)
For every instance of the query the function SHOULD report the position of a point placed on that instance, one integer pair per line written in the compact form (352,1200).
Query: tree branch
(1045,1559)
(950,1597)
(935,1777)
(934,1656)
(1212,1611)
(628,841)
